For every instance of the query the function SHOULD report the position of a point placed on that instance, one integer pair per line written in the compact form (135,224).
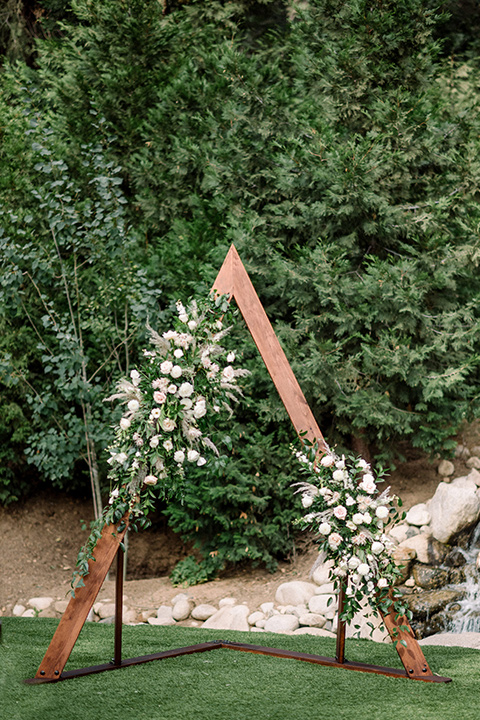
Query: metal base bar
(258,649)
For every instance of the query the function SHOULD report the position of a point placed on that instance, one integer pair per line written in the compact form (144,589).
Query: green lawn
(223,684)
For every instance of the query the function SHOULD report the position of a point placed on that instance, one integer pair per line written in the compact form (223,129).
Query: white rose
(154,441)
(168,445)
(178,353)
(125,423)
(176,371)
(381,512)
(367,518)
(377,548)
(334,540)
(325,528)
(307,500)
(133,406)
(382,583)
(351,525)
(200,409)
(338,475)
(349,501)
(170,335)
(166,367)
(354,562)
(135,377)
(193,455)
(179,456)
(357,518)
(150,480)
(185,390)
(327,461)
(230,357)
(368,484)
(121,458)
(201,461)
(192,325)
(155,414)
(340,464)
(168,424)
(172,389)
(228,373)
(186,403)
(183,318)
(363,569)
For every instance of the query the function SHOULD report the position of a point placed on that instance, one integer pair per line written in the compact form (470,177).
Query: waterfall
(467,619)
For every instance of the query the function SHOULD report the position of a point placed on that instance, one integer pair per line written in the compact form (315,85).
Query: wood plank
(74,617)
(411,654)
(233,280)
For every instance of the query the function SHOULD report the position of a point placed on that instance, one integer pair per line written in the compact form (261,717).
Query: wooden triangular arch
(232,280)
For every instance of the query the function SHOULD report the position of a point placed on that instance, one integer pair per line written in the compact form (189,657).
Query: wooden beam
(233,280)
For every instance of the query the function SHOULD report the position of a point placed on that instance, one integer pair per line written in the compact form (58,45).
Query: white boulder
(203,611)
(229,618)
(418,515)
(281,624)
(452,509)
(296,592)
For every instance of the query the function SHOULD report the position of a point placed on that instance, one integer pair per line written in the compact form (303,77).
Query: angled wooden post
(234,281)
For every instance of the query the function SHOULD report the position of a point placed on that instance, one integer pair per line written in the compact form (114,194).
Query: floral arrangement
(170,402)
(350,516)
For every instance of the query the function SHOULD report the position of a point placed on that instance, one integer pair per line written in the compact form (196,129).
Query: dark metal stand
(338,662)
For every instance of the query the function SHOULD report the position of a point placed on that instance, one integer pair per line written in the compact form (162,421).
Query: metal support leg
(117,658)
(340,650)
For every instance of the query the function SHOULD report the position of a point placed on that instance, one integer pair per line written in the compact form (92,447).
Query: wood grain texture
(233,280)
(79,606)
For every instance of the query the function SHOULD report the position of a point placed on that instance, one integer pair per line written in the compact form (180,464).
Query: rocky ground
(40,540)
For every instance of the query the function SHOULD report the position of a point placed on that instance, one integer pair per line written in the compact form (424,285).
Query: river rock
(203,611)
(452,509)
(182,609)
(61,606)
(428,550)
(428,602)
(281,624)
(229,618)
(321,572)
(227,602)
(473,462)
(254,617)
(296,592)
(325,605)
(455,558)
(40,603)
(18,610)
(164,616)
(430,578)
(106,610)
(312,620)
(418,515)
(446,468)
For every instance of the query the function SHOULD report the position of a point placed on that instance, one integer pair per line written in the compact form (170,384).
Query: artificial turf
(223,684)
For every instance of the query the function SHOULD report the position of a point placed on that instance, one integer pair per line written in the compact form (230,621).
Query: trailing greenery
(337,145)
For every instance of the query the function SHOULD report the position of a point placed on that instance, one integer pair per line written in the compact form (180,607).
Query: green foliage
(73,299)
(337,145)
